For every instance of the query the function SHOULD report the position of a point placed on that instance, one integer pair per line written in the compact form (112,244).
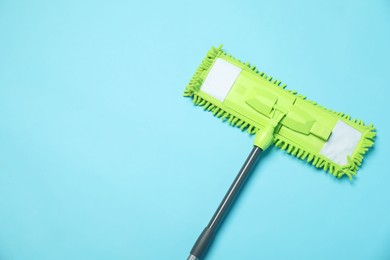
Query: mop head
(249,99)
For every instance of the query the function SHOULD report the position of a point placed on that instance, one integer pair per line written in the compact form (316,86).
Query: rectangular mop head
(251,100)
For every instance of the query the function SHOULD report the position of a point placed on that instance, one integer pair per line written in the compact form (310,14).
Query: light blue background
(102,158)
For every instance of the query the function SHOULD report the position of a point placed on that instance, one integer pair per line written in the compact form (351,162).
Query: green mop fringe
(318,161)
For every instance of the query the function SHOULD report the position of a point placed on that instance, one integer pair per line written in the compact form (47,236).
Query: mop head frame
(247,98)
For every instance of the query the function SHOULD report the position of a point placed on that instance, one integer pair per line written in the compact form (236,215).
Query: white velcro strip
(342,143)
(220,79)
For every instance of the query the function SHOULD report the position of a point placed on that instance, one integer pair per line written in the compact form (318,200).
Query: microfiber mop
(251,100)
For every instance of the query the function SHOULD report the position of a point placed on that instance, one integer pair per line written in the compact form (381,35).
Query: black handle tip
(202,244)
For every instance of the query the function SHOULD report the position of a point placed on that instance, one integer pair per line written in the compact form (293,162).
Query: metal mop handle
(206,237)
